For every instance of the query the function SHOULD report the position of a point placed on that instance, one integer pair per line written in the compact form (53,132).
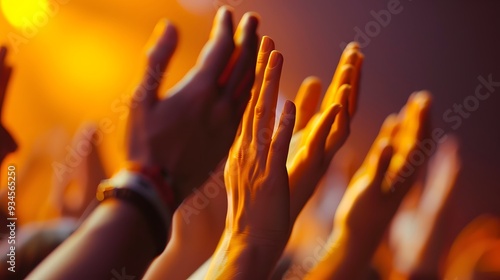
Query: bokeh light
(24,13)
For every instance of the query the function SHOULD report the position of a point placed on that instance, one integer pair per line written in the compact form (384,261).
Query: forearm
(116,239)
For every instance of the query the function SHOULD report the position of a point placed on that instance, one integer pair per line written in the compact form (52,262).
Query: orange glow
(25,13)
(91,66)
(79,66)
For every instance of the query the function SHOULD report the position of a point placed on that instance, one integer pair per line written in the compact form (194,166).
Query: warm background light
(78,66)
(72,67)
(22,13)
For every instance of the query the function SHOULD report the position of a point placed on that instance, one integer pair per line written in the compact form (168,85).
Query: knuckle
(262,58)
(260,111)
(287,119)
(264,136)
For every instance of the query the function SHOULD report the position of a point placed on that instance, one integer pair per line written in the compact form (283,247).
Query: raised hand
(416,220)
(199,221)
(7,142)
(186,134)
(319,135)
(375,192)
(74,192)
(190,131)
(256,178)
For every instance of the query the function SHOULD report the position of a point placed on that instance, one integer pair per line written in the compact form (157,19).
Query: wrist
(140,192)
(355,236)
(160,179)
(252,256)
(269,240)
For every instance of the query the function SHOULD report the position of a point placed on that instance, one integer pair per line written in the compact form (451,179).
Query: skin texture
(256,179)
(201,111)
(375,193)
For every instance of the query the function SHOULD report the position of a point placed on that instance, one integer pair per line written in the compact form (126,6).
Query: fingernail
(265,45)
(383,143)
(224,13)
(345,87)
(353,57)
(252,20)
(275,59)
(289,107)
(352,45)
(158,31)
(336,108)
(422,98)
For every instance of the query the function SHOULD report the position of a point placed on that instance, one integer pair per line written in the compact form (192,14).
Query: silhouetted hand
(7,142)
(190,131)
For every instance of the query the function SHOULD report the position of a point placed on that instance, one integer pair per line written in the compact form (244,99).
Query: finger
(409,160)
(317,138)
(158,58)
(265,109)
(343,73)
(307,101)
(352,46)
(414,118)
(380,160)
(239,75)
(388,129)
(406,117)
(266,47)
(281,141)
(4,82)
(343,76)
(341,129)
(355,81)
(421,103)
(216,54)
